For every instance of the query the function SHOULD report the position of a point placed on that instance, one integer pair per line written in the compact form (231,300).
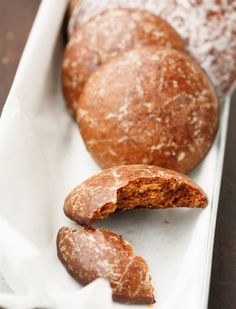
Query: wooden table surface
(16,17)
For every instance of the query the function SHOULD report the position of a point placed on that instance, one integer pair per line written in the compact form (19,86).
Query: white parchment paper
(42,157)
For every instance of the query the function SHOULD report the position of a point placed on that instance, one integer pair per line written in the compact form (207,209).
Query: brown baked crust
(131,186)
(77,66)
(92,253)
(105,36)
(207,26)
(155,107)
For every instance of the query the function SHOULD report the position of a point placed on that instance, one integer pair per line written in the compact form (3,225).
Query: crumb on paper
(166,222)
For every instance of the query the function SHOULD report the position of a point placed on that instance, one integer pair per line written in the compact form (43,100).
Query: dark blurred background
(16,18)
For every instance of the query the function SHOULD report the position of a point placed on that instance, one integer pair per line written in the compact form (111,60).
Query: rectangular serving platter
(42,157)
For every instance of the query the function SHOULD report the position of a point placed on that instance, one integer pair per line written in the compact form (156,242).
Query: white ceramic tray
(42,157)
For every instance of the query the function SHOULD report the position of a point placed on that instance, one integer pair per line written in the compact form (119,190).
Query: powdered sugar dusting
(207,26)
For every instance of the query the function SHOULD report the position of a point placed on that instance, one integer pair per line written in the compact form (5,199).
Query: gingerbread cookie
(92,253)
(105,36)
(149,106)
(131,186)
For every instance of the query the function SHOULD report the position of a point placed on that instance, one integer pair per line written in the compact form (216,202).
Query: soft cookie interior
(153,193)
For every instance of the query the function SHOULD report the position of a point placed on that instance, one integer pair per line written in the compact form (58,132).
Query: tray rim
(222,131)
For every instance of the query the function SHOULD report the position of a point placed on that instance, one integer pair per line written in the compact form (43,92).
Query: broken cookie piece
(92,253)
(131,186)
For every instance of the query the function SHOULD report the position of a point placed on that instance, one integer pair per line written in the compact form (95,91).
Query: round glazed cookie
(149,106)
(207,26)
(92,253)
(105,36)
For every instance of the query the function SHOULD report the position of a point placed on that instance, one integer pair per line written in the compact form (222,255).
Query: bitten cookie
(207,26)
(149,106)
(92,253)
(105,36)
(131,186)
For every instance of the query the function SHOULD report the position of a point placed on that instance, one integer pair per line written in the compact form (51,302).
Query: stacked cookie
(135,93)
(143,106)
(106,36)
(208,28)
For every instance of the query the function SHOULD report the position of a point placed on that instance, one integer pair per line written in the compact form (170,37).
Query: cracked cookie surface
(91,253)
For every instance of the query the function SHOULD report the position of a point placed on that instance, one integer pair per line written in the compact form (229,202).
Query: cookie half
(131,186)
